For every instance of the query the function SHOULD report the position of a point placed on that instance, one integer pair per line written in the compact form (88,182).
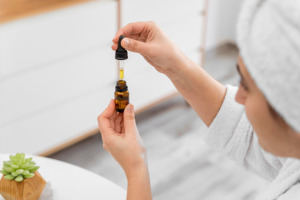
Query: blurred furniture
(57,70)
(12,10)
(72,182)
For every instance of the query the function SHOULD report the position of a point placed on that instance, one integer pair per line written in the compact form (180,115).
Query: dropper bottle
(121,93)
(121,55)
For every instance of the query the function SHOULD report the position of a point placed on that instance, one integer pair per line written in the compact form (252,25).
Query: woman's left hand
(121,138)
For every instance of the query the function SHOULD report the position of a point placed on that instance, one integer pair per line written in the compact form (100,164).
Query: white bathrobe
(232,134)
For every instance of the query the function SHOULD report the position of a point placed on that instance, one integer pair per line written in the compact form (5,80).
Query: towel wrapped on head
(269,41)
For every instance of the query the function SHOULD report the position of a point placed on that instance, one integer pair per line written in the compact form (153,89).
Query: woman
(257,125)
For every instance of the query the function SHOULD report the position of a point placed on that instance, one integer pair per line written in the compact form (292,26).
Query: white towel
(269,40)
(232,134)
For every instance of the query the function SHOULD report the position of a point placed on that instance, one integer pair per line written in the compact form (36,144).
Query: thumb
(129,120)
(135,46)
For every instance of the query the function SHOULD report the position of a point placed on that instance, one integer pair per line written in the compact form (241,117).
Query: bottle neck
(121,86)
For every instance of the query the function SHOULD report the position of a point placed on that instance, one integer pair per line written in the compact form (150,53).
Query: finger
(104,126)
(123,128)
(105,129)
(114,46)
(132,36)
(113,119)
(130,29)
(104,119)
(129,120)
(114,116)
(118,123)
(109,111)
(136,46)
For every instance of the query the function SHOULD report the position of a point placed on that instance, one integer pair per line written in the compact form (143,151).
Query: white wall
(222,19)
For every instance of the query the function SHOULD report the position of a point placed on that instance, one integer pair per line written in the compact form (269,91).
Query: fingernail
(125,42)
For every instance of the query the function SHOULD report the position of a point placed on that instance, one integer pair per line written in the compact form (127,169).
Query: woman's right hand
(147,39)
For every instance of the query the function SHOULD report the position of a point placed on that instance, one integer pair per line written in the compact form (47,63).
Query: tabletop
(72,182)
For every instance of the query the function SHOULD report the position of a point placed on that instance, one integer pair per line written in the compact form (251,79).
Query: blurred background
(57,74)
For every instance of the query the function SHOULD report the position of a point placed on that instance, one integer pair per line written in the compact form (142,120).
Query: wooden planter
(28,189)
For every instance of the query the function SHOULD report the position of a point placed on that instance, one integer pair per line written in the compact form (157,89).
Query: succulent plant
(19,168)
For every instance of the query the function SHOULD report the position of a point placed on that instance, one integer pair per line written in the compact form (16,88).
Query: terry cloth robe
(231,133)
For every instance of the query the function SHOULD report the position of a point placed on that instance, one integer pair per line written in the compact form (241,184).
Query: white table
(70,182)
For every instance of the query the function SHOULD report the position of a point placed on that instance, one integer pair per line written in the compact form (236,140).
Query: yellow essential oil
(121,69)
(121,74)
(121,96)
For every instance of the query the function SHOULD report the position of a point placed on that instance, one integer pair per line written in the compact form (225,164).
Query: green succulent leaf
(11,157)
(24,166)
(26,172)
(30,175)
(14,166)
(20,171)
(6,163)
(9,177)
(19,178)
(19,168)
(22,156)
(31,167)
(4,172)
(9,169)
(34,169)
(14,174)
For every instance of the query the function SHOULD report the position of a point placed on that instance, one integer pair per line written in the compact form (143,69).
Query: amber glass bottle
(121,96)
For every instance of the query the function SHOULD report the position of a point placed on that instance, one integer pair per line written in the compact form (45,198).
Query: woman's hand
(148,39)
(121,138)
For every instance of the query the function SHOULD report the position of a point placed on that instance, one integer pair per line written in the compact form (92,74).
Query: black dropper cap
(121,53)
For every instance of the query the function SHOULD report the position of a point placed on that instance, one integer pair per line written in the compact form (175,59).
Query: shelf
(43,40)
(16,9)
